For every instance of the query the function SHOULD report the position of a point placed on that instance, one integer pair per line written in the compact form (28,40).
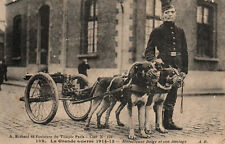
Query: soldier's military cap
(166,4)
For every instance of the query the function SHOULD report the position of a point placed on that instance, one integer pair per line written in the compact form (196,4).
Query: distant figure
(4,66)
(82,69)
(1,75)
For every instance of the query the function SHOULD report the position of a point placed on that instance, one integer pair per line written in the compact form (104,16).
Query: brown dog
(141,78)
(168,78)
(99,90)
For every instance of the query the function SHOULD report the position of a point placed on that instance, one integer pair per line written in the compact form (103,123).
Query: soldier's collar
(168,23)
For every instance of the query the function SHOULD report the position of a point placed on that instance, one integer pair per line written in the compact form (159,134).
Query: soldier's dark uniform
(1,75)
(171,43)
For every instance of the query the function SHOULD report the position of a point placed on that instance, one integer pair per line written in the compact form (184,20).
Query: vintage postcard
(112,72)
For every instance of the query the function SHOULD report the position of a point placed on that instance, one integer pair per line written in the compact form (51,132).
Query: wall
(107,33)
(126,38)
(221,34)
(186,18)
(73,32)
(55,28)
(1,45)
(140,30)
(12,10)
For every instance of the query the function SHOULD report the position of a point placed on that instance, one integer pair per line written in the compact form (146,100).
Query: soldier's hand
(183,75)
(159,64)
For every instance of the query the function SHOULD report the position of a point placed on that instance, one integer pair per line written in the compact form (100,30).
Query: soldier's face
(169,15)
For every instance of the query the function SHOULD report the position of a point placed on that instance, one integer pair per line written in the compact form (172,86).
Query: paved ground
(203,121)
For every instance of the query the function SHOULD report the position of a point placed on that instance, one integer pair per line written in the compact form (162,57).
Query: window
(206,29)
(17,30)
(153,13)
(89,38)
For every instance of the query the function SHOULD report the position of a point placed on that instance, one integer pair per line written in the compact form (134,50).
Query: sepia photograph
(112,71)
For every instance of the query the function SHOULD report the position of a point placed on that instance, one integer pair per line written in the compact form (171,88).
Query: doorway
(43,31)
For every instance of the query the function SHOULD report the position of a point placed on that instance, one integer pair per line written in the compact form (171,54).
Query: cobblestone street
(203,121)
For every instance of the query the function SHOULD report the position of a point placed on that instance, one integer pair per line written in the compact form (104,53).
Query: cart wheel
(78,112)
(41,98)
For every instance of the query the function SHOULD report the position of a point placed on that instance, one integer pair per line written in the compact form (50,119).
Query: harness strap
(110,85)
(182,98)
(139,89)
(163,87)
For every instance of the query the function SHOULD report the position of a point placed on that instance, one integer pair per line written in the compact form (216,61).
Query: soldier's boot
(168,121)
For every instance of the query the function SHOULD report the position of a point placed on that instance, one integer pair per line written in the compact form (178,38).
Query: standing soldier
(1,74)
(83,67)
(4,66)
(170,41)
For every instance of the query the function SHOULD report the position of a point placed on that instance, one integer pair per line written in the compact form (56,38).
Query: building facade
(1,45)
(53,35)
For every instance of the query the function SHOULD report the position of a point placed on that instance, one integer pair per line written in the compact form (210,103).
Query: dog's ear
(147,65)
(133,70)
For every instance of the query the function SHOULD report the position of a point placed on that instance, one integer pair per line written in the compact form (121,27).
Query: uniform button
(174,38)
(174,43)
(174,48)
(171,27)
(172,32)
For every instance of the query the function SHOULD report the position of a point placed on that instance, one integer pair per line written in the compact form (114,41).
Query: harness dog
(169,78)
(142,77)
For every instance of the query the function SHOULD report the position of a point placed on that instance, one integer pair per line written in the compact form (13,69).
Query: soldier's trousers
(171,99)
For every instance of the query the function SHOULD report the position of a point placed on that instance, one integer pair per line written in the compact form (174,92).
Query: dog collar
(163,87)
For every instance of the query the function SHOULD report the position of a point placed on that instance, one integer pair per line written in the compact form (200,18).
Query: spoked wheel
(78,112)
(41,98)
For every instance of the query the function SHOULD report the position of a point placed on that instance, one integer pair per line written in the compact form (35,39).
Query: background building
(1,45)
(53,35)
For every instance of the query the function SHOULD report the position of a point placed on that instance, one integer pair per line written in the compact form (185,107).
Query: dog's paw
(106,126)
(132,137)
(161,130)
(148,131)
(120,124)
(143,134)
(86,128)
(100,126)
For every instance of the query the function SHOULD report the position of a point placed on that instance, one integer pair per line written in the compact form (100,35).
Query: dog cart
(41,96)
